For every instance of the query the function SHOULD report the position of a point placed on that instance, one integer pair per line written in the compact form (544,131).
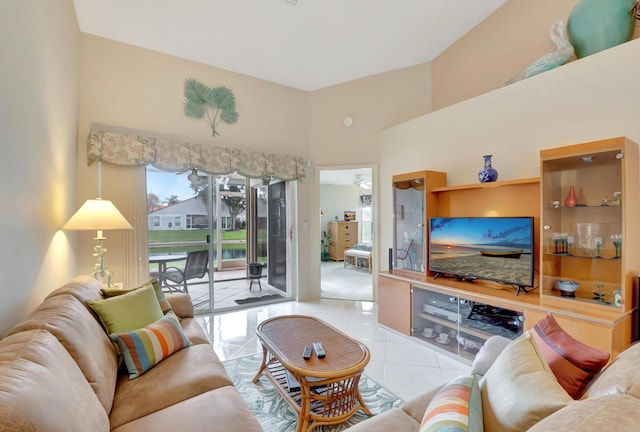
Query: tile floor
(405,367)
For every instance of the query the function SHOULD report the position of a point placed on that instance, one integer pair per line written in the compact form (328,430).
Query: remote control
(307,352)
(319,349)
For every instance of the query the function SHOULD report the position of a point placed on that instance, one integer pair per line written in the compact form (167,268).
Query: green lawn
(174,236)
(192,235)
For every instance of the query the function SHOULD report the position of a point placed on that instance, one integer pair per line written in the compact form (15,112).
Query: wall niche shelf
(599,322)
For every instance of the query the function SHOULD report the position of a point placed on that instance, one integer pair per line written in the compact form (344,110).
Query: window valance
(173,155)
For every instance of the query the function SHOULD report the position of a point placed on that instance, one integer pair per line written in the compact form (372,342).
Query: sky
(469,231)
(165,184)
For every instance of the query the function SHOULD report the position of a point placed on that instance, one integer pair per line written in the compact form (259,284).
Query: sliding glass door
(236,220)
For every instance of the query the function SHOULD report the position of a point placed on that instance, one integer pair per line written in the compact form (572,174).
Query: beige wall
(38,126)
(130,88)
(586,100)
(498,49)
(376,102)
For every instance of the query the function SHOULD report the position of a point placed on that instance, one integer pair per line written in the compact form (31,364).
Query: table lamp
(98,214)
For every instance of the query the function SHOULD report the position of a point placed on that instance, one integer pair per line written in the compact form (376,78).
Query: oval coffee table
(322,391)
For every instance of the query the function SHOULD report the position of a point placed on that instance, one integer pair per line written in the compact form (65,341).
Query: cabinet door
(458,325)
(586,257)
(394,304)
(413,202)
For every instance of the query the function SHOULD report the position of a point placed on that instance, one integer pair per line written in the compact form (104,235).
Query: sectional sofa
(517,386)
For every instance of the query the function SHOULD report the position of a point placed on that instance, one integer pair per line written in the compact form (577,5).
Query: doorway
(192,211)
(346,202)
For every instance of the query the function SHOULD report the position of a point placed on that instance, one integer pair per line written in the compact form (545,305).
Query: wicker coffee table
(328,388)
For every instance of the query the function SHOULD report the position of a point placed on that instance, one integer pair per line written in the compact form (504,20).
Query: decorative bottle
(571,200)
(488,173)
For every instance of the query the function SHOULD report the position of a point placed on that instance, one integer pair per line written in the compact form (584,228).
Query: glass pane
(178,226)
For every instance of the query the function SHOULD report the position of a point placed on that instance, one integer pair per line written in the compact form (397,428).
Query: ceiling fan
(359,181)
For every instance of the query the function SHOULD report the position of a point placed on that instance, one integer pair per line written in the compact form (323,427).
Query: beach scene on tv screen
(498,249)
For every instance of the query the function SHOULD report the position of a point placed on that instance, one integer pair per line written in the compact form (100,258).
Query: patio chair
(403,253)
(177,279)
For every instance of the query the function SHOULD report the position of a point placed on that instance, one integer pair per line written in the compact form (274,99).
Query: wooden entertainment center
(603,310)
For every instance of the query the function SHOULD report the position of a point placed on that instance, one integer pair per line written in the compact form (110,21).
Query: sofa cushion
(395,419)
(571,361)
(162,300)
(42,389)
(595,415)
(519,389)
(77,330)
(622,376)
(456,407)
(185,374)
(226,411)
(128,311)
(146,347)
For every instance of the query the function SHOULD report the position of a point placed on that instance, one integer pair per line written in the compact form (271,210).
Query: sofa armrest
(489,353)
(181,304)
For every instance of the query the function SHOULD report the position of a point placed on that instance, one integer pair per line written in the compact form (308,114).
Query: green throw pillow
(146,347)
(164,303)
(129,311)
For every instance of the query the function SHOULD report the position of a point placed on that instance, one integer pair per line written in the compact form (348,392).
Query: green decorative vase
(595,25)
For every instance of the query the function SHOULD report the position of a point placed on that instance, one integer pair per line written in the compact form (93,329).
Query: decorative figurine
(617,198)
(604,201)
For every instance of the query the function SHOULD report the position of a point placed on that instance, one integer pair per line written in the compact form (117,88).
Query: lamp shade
(97,214)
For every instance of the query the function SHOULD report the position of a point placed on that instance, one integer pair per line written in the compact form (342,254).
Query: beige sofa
(611,402)
(59,372)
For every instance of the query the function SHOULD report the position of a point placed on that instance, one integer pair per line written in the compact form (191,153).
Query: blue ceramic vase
(488,173)
(595,25)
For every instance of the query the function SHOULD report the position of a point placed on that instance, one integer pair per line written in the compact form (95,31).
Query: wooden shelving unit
(605,326)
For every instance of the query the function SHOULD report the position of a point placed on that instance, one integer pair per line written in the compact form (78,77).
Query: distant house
(189,214)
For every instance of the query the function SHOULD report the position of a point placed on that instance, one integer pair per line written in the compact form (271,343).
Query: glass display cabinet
(589,243)
(412,199)
(458,325)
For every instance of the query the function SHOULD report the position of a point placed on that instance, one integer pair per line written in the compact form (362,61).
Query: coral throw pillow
(457,407)
(573,363)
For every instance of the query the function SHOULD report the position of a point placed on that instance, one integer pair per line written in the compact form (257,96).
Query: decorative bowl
(567,286)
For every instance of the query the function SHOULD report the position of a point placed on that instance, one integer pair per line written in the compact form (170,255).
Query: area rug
(275,415)
(258,299)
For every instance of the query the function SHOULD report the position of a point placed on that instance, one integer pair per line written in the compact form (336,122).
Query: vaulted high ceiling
(304,44)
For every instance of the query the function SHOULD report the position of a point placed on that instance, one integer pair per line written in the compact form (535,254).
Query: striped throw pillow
(457,407)
(146,347)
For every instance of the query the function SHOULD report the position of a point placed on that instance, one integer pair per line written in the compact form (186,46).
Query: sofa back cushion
(77,330)
(82,288)
(519,389)
(42,389)
(622,376)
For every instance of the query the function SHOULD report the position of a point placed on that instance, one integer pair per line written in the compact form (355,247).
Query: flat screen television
(498,249)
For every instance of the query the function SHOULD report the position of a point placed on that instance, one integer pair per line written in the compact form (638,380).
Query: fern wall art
(216,104)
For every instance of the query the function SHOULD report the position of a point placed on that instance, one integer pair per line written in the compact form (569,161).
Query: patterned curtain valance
(172,155)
